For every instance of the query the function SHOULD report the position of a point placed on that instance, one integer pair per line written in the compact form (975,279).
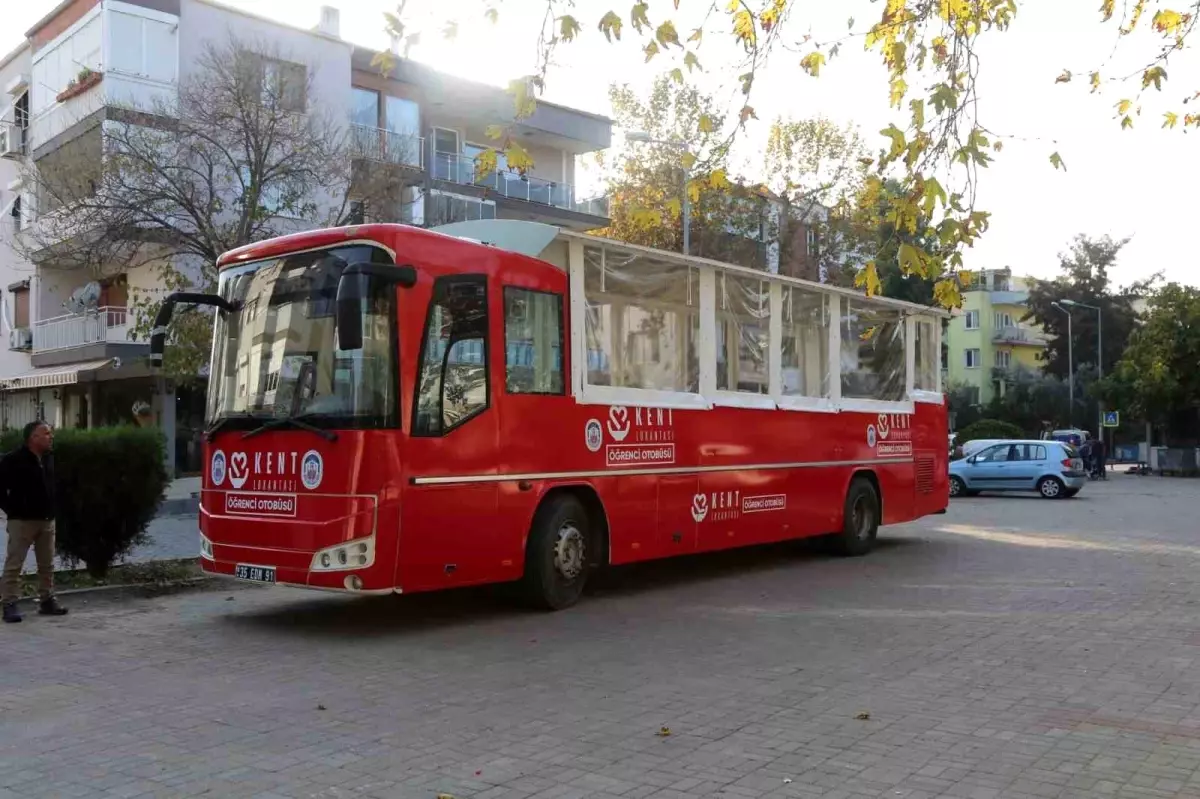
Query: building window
(1004,320)
(971,358)
(533,342)
(283,84)
(810,241)
(366,108)
(972,320)
(452,386)
(1003,359)
(926,361)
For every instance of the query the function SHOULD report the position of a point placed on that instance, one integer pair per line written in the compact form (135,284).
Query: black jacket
(27,485)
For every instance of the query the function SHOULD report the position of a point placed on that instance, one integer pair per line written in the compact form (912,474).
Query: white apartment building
(68,353)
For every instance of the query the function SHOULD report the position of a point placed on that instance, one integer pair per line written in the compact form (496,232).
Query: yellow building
(986,343)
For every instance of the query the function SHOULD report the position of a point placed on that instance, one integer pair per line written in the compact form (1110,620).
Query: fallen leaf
(863,716)
(663,732)
(320,707)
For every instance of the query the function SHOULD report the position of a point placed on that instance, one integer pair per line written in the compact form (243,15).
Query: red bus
(393,409)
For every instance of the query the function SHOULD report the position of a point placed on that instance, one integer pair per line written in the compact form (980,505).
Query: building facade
(70,354)
(987,344)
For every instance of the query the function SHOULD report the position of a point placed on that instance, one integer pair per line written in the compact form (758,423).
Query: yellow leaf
(691,62)
(812,63)
(384,61)
(450,31)
(638,18)
(933,192)
(1123,107)
(1171,119)
(705,124)
(897,137)
(1095,81)
(868,278)
(666,34)
(947,293)
(524,103)
(744,30)
(677,75)
(1155,75)
(1057,162)
(518,158)
(493,15)
(911,260)
(610,26)
(696,36)
(485,163)
(688,160)
(651,50)
(1106,8)
(1065,77)
(718,180)
(568,27)
(1167,21)
(1127,122)
(674,207)
(494,131)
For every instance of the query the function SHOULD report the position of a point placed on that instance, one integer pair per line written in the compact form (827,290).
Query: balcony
(98,326)
(1019,335)
(459,168)
(596,206)
(387,147)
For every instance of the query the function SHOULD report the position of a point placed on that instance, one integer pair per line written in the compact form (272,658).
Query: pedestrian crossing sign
(1112,418)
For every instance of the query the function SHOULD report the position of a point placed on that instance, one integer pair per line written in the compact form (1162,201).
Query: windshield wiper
(293,421)
(211,431)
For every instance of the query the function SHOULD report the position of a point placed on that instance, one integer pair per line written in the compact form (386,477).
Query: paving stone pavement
(1015,648)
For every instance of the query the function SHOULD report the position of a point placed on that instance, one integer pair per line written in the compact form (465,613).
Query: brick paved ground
(1013,648)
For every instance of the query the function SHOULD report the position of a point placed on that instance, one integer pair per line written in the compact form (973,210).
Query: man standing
(27,498)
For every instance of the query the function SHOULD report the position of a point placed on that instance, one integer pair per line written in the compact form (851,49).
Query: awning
(58,376)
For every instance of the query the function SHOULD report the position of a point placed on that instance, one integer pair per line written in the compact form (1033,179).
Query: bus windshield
(277,355)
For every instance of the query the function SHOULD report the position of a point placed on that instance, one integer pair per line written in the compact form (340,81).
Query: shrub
(988,428)
(110,483)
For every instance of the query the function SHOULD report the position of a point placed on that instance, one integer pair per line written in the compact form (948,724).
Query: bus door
(448,533)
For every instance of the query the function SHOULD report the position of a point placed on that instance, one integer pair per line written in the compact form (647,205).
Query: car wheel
(557,554)
(1070,492)
(860,520)
(1051,488)
(957,487)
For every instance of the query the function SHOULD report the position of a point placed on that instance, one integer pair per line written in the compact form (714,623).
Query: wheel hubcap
(1050,488)
(954,488)
(569,551)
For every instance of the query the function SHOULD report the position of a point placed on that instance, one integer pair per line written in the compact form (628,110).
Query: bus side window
(533,341)
(452,382)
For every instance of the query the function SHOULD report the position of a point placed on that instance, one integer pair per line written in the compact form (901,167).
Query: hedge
(987,429)
(110,481)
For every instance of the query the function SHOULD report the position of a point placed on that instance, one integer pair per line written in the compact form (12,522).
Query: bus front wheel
(557,554)
(860,520)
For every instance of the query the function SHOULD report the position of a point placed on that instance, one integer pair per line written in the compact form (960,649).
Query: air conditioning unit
(20,338)
(12,141)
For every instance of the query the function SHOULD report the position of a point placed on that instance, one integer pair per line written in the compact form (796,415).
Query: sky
(1132,183)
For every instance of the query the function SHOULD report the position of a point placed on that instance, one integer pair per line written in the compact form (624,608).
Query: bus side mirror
(352,290)
(158,332)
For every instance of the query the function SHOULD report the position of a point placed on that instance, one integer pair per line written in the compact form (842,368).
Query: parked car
(1051,468)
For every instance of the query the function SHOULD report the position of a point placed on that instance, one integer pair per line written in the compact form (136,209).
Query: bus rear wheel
(557,554)
(860,520)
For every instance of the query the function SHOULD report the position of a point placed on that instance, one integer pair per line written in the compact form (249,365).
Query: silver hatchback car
(1051,468)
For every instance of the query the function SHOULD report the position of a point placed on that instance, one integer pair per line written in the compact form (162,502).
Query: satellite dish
(84,298)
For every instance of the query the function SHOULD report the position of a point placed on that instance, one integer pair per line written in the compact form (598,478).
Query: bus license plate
(255,574)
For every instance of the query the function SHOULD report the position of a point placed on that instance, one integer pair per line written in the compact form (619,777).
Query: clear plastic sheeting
(927,359)
(743,334)
(873,354)
(805,345)
(641,313)
(532,342)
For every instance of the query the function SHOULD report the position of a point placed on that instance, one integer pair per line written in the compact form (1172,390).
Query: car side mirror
(352,290)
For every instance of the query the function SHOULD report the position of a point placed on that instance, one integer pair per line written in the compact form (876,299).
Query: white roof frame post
(579,362)
(835,351)
(775,347)
(708,331)
(910,356)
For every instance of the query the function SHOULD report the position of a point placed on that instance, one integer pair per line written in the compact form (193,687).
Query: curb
(179,507)
(146,589)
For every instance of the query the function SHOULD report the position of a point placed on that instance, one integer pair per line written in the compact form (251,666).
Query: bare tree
(243,154)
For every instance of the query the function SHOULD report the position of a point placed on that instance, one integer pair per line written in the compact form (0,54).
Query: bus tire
(860,520)
(557,554)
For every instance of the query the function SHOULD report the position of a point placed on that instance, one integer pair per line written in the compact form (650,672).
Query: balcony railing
(388,147)
(460,168)
(96,326)
(1018,335)
(596,206)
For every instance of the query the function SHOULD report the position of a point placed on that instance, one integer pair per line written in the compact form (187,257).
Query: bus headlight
(351,555)
(206,548)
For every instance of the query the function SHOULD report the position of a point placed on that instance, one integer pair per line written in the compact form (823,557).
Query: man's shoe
(50,607)
(11,615)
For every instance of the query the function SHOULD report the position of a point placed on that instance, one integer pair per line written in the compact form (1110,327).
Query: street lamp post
(645,138)
(1070,366)
(1099,352)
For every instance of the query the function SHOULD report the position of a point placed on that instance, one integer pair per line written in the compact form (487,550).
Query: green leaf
(705,124)
(911,261)
(610,26)
(747,79)
(897,138)
(666,34)
(943,98)
(568,27)
(492,15)
(450,31)
(638,18)
(918,113)
(691,62)
(1057,162)
(677,75)
(651,50)
(1155,75)
(696,36)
